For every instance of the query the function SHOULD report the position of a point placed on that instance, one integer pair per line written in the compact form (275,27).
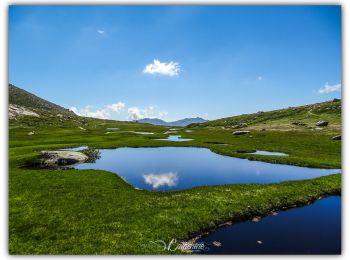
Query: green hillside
(20,97)
(40,113)
(292,118)
(296,118)
(27,110)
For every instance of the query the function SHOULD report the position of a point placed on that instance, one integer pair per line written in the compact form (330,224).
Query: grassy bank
(96,212)
(305,148)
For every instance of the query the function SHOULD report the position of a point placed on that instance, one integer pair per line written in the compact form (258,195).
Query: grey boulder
(240,125)
(322,123)
(62,158)
(337,137)
(241,132)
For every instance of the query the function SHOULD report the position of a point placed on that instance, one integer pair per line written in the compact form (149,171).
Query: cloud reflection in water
(169,179)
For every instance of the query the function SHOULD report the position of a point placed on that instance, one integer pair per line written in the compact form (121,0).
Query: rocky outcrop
(240,125)
(112,129)
(15,111)
(322,123)
(62,158)
(241,132)
(337,137)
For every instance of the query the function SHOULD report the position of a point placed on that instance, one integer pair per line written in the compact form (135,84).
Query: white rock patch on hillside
(15,110)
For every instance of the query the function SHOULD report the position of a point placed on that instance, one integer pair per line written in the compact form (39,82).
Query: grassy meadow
(96,212)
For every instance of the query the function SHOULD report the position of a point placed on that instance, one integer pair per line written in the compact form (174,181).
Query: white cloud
(75,110)
(135,113)
(163,179)
(86,111)
(330,88)
(107,111)
(103,113)
(161,114)
(101,31)
(162,68)
(119,106)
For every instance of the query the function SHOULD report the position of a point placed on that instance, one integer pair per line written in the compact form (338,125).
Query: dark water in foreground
(177,168)
(313,229)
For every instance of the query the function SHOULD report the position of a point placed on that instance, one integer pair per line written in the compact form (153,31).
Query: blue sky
(171,62)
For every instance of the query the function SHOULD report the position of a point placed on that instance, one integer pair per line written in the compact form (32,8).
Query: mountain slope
(182,122)
(293,117)
(23,99)
(152,121)
(28,110)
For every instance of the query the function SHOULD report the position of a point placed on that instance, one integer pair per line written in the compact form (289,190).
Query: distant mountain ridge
(181,122)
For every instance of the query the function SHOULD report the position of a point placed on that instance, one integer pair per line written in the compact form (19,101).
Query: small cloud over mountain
(136,113)
(330,88)
(117,106)
(103,113)
(110,111)
(88,112)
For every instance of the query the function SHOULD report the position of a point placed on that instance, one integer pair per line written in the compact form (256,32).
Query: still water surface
(313,229)
(175,138)
(268,153)
(178,168)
